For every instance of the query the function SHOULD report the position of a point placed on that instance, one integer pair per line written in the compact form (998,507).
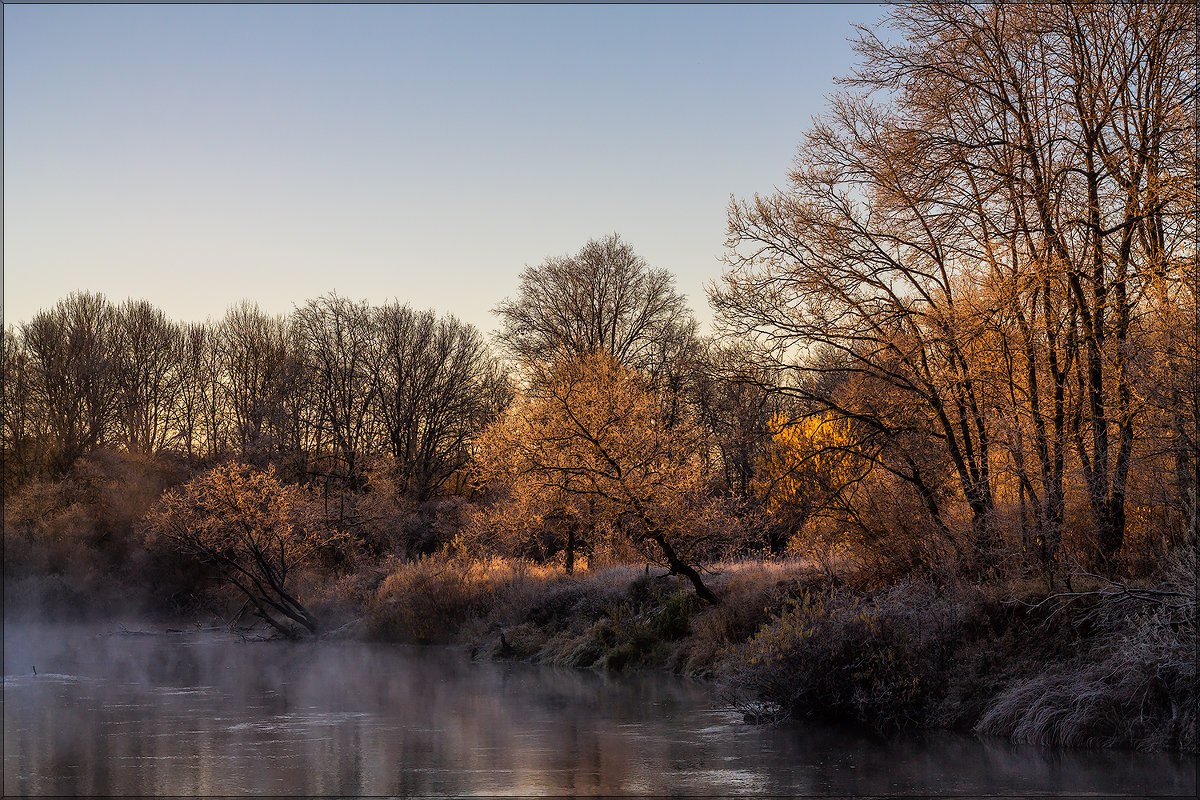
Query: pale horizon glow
(197,156)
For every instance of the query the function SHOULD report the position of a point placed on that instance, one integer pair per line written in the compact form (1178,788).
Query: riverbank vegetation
(938,464)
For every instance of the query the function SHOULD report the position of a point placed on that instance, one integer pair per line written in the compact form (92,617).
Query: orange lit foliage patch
(811,466)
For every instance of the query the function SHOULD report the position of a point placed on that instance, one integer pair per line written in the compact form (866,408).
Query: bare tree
(72,375)
(976,245)
(252,351)
(733,397)
(150,354)
(437,387)
(22,437)
(195,400)
(341,361)
(605,298)
(1067,135)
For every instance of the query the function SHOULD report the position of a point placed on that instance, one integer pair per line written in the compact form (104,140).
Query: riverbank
(1107,667)
(1113,664)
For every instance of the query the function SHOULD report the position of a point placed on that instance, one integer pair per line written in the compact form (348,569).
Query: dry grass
(432,598)
(613,617)
(751,592)
(1136,686)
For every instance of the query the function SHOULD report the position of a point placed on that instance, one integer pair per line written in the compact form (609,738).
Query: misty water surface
(198,713)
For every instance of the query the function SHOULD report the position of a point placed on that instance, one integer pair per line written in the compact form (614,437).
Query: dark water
(200,714)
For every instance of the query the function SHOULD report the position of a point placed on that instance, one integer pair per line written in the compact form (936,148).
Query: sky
(199,155)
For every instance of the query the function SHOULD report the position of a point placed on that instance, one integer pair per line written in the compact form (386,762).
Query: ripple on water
(283,722)
(46,677)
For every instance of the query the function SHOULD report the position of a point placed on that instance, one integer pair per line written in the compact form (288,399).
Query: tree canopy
(605,298)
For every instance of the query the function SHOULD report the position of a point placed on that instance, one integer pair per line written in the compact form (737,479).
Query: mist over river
(118,712)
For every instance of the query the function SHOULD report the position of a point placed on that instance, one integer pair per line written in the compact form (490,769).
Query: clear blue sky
(200,155)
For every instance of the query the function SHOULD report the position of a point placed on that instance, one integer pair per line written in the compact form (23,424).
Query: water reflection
(206,715)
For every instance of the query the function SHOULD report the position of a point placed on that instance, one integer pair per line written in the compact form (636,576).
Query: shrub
(79,534)
(253,530)
(874,659)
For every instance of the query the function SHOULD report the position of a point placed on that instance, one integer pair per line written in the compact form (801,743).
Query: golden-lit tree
(590,450)
(253,530)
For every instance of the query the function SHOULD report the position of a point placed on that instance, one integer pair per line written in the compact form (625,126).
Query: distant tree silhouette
(605,298)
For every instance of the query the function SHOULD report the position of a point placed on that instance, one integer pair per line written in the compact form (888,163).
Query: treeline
(318,393)
(352,400)
(963,340)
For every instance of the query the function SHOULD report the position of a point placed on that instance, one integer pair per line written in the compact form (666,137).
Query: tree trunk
(678,567)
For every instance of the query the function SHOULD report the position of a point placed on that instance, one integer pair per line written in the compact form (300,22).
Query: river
(118,713)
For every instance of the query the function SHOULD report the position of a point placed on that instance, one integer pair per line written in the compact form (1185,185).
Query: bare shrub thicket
(875,659)
(72,548)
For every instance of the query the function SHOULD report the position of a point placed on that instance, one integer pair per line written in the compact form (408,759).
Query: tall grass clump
(430,599)
(1135,687)
(752,592)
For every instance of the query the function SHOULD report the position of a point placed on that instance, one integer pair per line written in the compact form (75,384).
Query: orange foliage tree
(810,466)
(253,529)
(589,450)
